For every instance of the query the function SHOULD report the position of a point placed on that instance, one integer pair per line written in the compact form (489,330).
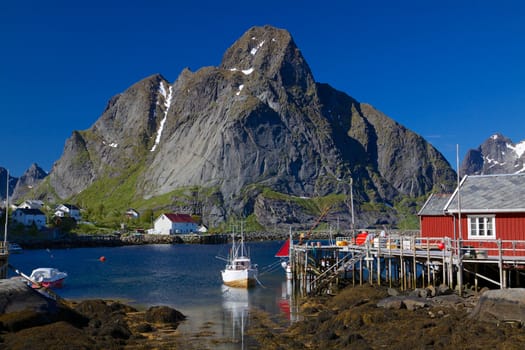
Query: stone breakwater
(115,240)
(79,241)
(95,240)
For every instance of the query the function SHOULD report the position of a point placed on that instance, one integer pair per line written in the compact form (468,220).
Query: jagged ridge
(258,121)
(497,155)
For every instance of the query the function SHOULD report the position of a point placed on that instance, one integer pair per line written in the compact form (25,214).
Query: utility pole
(352,204)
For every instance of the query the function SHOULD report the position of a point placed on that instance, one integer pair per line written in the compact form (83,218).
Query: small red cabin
(485,212)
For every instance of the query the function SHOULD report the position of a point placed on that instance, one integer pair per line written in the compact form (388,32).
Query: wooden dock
(408,262)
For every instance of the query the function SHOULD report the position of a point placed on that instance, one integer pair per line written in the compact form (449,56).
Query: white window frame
(481,227)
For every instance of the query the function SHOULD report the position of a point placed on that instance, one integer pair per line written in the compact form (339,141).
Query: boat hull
(239,278)
(50,284)
(47,277)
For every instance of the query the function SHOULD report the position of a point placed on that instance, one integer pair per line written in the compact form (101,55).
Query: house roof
(435,204)
(489,194)
(32,202)
(69,206)
(181,218)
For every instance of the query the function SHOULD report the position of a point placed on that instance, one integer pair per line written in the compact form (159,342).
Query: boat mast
(352,202)
(6,206)
(242,240)
(233,252)
(459,195)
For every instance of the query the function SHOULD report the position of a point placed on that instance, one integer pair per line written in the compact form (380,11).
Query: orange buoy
(102,258)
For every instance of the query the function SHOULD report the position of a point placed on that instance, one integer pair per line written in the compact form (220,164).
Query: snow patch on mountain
(255,49)
(244,71)
(113,144)
(167,103)
(240,89)
(519,148)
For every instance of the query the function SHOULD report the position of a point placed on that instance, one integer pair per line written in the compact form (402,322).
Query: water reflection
(235,303)
(288,301)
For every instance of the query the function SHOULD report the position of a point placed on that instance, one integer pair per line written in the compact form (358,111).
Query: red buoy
(441,246)
(102,258)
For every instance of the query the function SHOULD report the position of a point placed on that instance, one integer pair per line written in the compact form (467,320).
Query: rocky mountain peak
(271,53)
(19,186)
(496,155)
(29,180)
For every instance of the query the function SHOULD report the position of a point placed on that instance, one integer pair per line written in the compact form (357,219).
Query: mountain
(497,155)
(255,137)
(29,180)
(22,186)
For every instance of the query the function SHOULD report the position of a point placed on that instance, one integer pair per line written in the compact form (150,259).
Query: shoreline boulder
(501,305)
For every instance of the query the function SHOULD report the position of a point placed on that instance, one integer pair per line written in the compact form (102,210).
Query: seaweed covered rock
(30,320)
(58,335)
(23,307)
(163,314)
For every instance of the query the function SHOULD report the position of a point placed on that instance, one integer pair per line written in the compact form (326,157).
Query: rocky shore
(368,317)
(28,320)
(363,317)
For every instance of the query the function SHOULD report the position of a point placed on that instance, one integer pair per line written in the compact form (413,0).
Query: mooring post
(500,265)
(414,265)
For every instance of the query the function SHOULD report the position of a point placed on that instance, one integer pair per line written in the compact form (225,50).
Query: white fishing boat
(48,277)
(239,271)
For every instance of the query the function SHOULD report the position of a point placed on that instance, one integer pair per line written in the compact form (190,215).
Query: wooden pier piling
(4,259)
(405,262)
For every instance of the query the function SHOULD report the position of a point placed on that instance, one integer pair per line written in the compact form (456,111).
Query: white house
(31,204)
(170,224)
(27,217)
(68,210)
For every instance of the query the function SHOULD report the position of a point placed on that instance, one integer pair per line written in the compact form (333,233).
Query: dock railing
(423,261)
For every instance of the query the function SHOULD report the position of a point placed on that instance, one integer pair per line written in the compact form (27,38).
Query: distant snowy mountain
(497,155)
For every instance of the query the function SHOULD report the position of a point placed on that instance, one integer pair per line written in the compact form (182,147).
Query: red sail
(284,251)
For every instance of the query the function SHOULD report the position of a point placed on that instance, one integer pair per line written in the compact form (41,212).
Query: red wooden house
(486,212)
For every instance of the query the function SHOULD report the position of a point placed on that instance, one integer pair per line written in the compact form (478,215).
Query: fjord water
(183,276)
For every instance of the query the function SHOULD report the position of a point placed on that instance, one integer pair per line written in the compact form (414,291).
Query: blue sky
(452,71)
